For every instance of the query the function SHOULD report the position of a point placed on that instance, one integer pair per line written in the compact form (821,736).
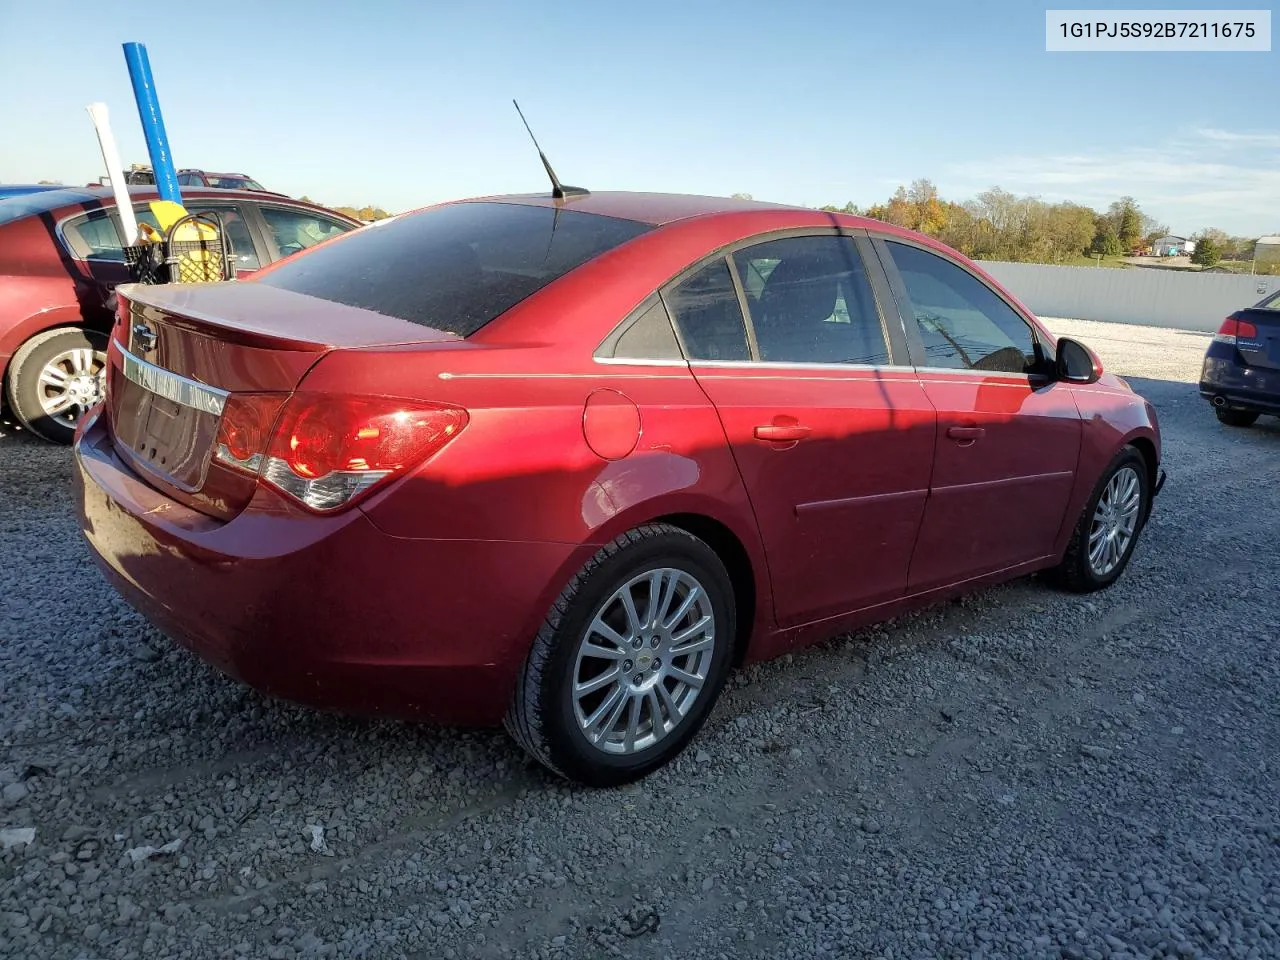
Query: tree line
(359,213)
(999,225)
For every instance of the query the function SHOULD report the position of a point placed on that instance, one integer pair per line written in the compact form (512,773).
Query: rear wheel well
(736,561)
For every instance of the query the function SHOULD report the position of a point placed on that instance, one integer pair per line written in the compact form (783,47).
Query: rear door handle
(781,433)
(965,433)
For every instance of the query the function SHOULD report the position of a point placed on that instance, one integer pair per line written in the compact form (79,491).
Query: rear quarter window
(456,267)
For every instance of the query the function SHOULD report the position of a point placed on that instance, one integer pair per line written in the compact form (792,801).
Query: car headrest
(801,290)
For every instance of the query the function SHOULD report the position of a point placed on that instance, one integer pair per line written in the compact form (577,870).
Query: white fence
(1152,296)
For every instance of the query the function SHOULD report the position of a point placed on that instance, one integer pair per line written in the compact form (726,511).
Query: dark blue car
(1241,372)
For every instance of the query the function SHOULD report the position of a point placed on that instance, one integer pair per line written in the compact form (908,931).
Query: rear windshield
(1269,303)
(235,183)
(455,267)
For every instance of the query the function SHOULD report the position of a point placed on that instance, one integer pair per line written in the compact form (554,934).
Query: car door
(834,441)
(1008,436)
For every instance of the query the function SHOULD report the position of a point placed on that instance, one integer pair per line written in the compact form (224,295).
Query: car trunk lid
(1258,336)
(180,353)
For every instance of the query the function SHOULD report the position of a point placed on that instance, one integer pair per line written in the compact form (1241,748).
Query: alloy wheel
(643,661)
(72,382)
(1115,521)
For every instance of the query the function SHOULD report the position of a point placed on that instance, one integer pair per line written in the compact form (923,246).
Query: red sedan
(61,256)
(567,461)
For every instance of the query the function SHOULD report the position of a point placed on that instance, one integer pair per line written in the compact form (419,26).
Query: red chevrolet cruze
(568,460)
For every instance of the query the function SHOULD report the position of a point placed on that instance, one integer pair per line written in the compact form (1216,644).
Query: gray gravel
(1019,774)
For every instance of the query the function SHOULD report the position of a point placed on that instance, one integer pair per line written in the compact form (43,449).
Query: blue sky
(402,103)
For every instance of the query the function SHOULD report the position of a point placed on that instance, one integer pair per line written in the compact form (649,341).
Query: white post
(115,172)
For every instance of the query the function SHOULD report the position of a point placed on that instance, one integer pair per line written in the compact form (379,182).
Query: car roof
(660,209)
(652,208)
(14,208)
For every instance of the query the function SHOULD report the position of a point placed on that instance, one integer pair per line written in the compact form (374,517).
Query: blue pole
(144,92)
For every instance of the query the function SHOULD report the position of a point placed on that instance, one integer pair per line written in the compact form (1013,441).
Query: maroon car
(60,258)
(191,177)
(569,461)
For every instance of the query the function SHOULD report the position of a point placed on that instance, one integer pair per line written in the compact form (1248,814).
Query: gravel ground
(1019,774)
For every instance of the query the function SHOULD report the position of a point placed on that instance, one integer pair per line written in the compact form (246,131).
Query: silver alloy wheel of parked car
(643,660)
(71,382)
(1115,521)
(54,378)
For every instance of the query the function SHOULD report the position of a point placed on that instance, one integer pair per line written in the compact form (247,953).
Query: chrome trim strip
(636,362)
(986,375)
(447,375)
(797,365)
(172,386)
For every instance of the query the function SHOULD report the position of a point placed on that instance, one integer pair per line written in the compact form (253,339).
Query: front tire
(54,378)
(629,661)
(1236,418)
(1108,529)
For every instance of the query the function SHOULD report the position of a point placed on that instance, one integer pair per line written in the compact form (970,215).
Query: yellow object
(167,213)
(195,255)
(148,234)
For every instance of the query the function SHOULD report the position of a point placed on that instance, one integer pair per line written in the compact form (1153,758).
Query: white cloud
(1243,139)
(1188,182)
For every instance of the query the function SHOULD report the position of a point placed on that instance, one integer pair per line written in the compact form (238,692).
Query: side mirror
(1076,363)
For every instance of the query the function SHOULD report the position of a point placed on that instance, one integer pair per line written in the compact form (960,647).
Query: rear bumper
(1224,382)
(325,611)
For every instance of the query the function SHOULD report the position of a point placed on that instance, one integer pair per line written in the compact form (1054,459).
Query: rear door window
(454,267)
(814,304)
(96,235)
(708,314)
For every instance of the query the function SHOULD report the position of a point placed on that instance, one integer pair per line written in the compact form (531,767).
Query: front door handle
(965,434)
(781,432)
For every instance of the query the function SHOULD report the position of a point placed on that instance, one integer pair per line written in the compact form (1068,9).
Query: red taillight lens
(1233,330)
(326,452)
(245,429)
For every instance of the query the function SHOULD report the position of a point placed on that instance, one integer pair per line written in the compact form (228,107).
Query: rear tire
(1100,547)
(1236,418)
(54,378)
(612,689)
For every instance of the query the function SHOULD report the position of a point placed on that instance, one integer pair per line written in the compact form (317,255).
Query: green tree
(1106,240)
(1127,220)
(1207,252)
(1129,232)
(742,196)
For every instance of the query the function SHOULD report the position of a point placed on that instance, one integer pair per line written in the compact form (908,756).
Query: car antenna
(558,189)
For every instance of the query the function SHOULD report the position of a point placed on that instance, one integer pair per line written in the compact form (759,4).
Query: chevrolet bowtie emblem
(144,338)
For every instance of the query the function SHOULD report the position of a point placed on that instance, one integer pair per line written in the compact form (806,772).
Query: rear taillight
(1233,330)
(245,429)
(327,452)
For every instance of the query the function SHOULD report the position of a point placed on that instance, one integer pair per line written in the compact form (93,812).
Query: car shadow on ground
(1166,394)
